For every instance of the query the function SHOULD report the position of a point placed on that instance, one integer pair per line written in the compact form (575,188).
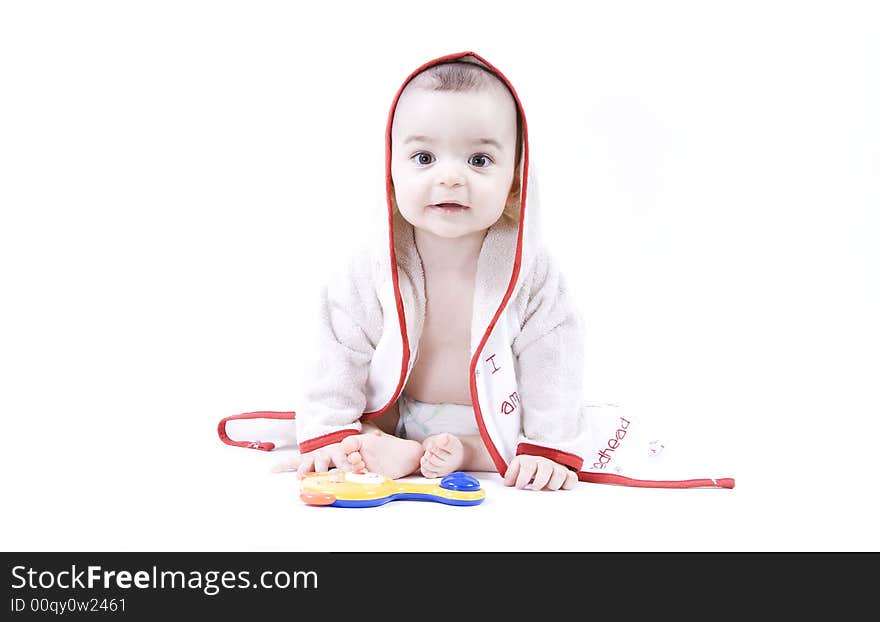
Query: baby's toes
(354,457)
(435,458)
(439,444)
(356,460)
(351,446)
(428,470)
(443,443)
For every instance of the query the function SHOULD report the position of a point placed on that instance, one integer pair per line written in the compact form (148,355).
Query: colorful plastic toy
(362,489)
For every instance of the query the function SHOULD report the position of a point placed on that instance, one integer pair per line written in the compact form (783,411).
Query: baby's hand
(320,460)
(543,473)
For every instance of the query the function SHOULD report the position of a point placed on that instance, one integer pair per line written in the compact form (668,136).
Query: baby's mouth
(450,206)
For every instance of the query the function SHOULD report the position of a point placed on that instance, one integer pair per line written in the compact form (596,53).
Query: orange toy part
(314,497)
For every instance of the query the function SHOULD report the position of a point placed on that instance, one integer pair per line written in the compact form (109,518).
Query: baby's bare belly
(440,373)
(440,376)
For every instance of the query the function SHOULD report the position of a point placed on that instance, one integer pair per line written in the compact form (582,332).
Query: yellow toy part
(362,489)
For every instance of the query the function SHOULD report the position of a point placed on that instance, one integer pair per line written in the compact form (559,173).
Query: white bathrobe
(526,352)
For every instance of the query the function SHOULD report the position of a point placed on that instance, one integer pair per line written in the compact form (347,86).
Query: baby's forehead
(469,116)
(416,101)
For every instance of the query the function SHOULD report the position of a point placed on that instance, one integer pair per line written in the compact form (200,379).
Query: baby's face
(453,147)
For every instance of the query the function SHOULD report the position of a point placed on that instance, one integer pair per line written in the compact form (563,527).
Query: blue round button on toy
(459,481)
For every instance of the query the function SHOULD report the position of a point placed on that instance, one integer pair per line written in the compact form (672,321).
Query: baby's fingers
(571,479)
(526,473)
(305,466)
(512,472)
(557,480)
(542,475)
(322,463)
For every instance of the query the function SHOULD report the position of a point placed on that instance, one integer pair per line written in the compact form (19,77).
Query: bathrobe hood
(526,353)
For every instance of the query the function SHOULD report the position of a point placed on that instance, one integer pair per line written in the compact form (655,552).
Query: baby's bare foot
(444,454)
(382,453)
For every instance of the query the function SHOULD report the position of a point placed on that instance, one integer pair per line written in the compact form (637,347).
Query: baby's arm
(550,361)
(349,326)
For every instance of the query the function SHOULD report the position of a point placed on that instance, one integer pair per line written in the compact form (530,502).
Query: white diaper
(419,420)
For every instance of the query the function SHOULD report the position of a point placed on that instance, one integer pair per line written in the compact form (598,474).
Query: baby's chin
(450,235)
(445,228)
(449,225)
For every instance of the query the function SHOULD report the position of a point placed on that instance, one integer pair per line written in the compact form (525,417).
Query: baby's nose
(450,175)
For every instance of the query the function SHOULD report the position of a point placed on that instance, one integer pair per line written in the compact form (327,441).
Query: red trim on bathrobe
(562,457)
(328,439)
(322,441)
(261,414)
(398,299)
(609,478)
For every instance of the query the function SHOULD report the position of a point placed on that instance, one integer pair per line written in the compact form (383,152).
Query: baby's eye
(423,158)
(481,160)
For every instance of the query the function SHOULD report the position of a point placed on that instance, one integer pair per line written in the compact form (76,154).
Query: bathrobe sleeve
(549,351)
(349,326)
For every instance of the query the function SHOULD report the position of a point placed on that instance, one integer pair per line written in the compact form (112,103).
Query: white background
(176,176)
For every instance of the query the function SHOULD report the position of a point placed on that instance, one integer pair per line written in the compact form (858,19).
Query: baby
(467,354)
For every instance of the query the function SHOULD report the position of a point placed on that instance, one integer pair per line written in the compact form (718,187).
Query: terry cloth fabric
(527,359)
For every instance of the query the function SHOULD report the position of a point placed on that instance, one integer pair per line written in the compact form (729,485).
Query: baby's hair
(464,76)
